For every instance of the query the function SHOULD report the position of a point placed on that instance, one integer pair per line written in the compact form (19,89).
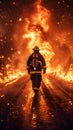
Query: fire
(36,32)
(11,76)
(35,29)
(41,17)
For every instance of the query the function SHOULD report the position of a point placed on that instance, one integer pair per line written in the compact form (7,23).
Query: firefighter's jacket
(36,63)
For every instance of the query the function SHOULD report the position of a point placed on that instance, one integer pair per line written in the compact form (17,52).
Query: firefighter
(35,65)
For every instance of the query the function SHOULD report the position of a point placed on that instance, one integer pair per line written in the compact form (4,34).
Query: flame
(35,29)
(36,32)
(11,76)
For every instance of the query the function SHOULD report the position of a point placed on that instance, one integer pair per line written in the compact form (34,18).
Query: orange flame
(35,29)
(36,32)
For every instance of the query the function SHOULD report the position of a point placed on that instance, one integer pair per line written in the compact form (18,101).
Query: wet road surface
(50,109)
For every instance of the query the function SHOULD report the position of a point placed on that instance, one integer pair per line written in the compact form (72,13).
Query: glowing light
(58,2)
(14,3)
(20,19)
(2,57)
(19,52)
(12,49)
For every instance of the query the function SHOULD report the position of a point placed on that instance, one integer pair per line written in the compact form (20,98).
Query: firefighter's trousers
(36,80)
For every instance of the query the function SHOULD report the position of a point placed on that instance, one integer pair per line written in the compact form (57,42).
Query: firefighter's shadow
(35,101)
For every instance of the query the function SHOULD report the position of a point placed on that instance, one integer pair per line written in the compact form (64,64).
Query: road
(50,109)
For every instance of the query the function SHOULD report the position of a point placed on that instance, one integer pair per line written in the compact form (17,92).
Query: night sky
(13,12)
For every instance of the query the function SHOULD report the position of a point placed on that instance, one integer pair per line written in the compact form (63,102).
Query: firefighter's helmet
(36,48)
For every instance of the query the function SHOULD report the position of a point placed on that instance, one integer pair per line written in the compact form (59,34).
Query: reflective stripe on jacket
(35,72)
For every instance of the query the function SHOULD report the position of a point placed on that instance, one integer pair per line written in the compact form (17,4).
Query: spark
(20,19)
(14,3)
(19,52)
